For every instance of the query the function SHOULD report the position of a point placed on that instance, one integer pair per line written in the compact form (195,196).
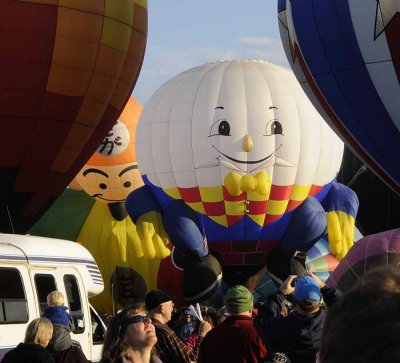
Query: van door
(78,305)
(67,281)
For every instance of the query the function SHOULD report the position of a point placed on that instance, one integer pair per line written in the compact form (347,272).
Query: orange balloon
(112,172)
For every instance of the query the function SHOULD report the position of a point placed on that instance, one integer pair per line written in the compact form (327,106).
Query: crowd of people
(48,338)
(305,321)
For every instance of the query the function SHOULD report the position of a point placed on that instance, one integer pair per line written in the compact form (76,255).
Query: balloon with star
(346,56)
(239,162)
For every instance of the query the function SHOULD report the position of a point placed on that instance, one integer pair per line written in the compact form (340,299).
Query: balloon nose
(247,144)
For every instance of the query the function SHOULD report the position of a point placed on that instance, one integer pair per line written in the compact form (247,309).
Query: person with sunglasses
(171,349)
(130,338)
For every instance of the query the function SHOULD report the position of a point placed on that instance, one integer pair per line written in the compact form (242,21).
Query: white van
(30,268)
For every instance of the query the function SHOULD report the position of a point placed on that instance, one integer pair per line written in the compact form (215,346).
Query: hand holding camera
(287,287)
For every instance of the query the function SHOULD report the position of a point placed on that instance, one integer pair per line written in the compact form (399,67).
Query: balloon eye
(224,129)
(274,128)
(127,184)
(102,186)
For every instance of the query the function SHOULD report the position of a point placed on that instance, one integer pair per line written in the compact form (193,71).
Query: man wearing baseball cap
(234,340)
(170,348)
(298,333)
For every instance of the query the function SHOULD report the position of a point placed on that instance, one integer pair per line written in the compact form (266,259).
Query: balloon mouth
(249,162)
(108,200)
(220,161)
(277,161)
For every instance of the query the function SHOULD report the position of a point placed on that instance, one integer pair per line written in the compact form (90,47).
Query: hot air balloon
(381,250)
(67,70)
(319,260)
(103,225)
(236,162)
(345,55)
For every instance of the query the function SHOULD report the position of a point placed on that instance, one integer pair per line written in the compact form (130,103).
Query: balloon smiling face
(226,134)
(112,172)
(250,156)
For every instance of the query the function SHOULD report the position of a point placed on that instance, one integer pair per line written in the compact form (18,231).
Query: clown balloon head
(112,172)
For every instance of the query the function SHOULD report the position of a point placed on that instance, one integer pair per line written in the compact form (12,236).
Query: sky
(183,34)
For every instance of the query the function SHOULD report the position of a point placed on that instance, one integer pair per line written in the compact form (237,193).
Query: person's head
(239,300)
(160,305)
(364,326)
(39,331)
(307,294)
(130,331)
(188,317)
(55,298)
(210,319)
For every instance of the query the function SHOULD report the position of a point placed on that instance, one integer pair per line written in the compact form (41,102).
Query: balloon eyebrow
(219,107)
(131,167)
(93,170)
(271,107)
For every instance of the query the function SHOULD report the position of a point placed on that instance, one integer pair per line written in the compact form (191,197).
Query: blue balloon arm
(341,198)
(183,227)
(141,201)
(307,225)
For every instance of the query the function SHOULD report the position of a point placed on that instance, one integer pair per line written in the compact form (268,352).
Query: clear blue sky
(187,33)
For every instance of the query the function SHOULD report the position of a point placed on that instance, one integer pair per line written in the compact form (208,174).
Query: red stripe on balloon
(392,35)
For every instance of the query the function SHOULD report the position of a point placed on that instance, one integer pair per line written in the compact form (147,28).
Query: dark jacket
(28,353)
(71,355)
(61,339)
(235,341)
(299,333)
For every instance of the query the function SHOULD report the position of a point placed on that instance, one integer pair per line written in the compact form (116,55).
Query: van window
(13,303)
(74,303)
(45,284)
(98,331)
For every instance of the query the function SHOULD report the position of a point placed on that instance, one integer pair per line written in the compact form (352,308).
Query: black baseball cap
(155,298)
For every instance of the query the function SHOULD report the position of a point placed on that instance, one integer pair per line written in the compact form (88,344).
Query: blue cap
(306,288)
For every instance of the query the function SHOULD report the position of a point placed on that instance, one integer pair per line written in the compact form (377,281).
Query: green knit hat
(238,299)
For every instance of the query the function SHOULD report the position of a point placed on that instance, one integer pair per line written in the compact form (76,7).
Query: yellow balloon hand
(152,236)
(340,233)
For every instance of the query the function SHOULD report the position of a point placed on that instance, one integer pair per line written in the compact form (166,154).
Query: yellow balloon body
(109,176)
(114,243)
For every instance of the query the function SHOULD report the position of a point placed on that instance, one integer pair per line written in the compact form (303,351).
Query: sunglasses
(137,319)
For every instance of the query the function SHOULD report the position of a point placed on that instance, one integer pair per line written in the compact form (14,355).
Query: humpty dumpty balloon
(240,166)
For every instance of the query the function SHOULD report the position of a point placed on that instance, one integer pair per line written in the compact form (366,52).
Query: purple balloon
(381,250)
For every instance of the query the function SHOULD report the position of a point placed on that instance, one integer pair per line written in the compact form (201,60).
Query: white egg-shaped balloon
(236,139)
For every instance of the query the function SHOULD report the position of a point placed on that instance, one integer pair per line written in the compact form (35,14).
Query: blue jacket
(299,333)
(58,315)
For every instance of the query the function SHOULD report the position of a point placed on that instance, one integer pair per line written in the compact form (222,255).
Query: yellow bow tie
(237,184)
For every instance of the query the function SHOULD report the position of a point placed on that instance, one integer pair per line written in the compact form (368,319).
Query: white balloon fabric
(213,124)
